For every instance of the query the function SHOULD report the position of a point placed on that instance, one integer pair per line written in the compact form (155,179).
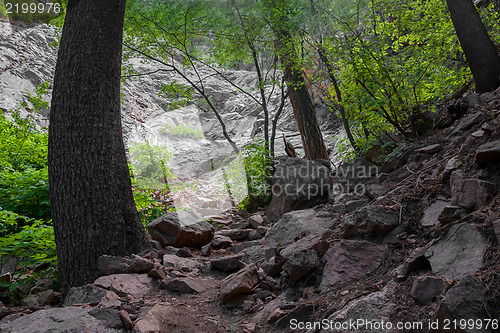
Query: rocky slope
(402,242)
(28,54)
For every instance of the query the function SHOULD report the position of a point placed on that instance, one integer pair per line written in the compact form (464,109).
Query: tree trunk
(303,110)
(93,210)
(481,54)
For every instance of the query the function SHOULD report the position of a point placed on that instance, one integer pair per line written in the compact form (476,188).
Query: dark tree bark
(481,54)
(303,109)
(93,210)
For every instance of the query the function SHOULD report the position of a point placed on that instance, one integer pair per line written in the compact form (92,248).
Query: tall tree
(303,109)
(93,210)
(481,54)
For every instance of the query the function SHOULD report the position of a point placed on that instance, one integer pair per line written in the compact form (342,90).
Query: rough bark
(481,54)
(93,210)
(303,109)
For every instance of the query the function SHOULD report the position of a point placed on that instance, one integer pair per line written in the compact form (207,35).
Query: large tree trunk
(481,54)
(303,109)
(93,210)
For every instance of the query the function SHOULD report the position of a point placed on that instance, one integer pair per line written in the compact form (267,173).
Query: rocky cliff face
(190,135)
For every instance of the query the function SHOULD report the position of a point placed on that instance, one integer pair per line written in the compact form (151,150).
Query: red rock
(188,285)
(471,193)
(181,228)
(426,288)
(241,282)
(488,153)
(120,265)
(126,321)
(136,285)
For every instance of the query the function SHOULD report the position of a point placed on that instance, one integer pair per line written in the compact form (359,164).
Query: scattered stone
(276,315)
(234,234)
(184,253)
(119,265)
(471,193)
(373,220)
(254,254)
(298,183)
(155,319)
(256,221)
(236,248)
(496,229)
(373,191)
(316,242)
(157,273)
(254,235)
(429,149)
(181,264)
(220,242)
(126,321)
(425,289)
(340,208)
(459,253)
(468,122)
(89,294)
(229,263)
(465,300)
(300,264)
(187,285)
(452,165)
(451,214)
(69,319)
(181,228)
(241,282)
(300,313)
(433,212)
(109,317)
(415,262)
(274,266)
(354,205)
(296,224)
(488,153)
(240,225)
(136,285)
(262,230)
(375,307)
(206,250)
(348,261)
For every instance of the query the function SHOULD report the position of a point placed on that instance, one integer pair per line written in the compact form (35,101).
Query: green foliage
(179,94)
(182,130)
(389,64)
(23,160)
(31,243)
(248,176)
(31,11)
(149,165)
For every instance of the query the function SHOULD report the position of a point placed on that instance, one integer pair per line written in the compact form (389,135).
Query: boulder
(120,265)
(61,320)
(452,165)
(429,149)
(432,213)
(300,264)
(187,285)
(466,301)
(451,214)
(425,289)
(241,282)
(154,319)
(459,253)
(370,220)
(297,224)
(256,221)
(234,234)
(229,263)
(317,242)
(488,153)
(220,242)
(348,261)
(90,293)
(136,285)
(370,312)
(174,262)
(471,193)
(297,184)
(181,228)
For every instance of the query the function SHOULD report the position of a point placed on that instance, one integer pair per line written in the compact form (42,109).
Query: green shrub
(31,242)
(182,131)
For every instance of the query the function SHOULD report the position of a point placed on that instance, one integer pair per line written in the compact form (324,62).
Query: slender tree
(303,109)
(93,210)
(481,54)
